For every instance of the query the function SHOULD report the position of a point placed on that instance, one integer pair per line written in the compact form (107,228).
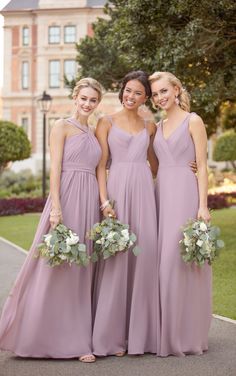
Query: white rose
(73,239)
(187,240)
(199,243)
(62,257)
(203,226)
(110,235)
(125,234)
(47,239)
(122,246)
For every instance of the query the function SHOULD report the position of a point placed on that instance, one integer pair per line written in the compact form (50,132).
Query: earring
(177,101)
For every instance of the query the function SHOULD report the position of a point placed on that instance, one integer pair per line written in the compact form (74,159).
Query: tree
(225,148)
(194,40)
(14,144)
(228,113)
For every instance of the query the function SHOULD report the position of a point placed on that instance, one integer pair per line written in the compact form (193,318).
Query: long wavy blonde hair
(184,97)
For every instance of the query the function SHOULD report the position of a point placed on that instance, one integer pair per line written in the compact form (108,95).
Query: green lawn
(224,269)
(20,230)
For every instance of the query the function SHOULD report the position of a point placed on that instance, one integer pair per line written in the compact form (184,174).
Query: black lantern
(44,103)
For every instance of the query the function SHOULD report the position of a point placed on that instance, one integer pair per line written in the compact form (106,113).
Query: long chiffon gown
(126,306)
(185,289)
(48,312)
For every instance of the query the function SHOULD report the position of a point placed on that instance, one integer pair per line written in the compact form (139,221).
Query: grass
(224,269)
(20,230)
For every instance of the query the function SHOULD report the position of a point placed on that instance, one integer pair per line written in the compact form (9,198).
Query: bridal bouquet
(200,242)
(61,245)
(111,237)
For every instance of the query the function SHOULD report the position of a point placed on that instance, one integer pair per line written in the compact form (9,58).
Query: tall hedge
(14,144)
(225,148)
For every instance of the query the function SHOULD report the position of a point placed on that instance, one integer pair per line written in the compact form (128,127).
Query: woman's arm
(199,136)
(102,132)
(152,159)
(57,139)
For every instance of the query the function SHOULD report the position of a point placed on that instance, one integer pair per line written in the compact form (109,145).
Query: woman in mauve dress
(185,289)
(127,316)
(48,313)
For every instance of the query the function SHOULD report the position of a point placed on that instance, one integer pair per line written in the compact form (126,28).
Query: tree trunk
(233,164)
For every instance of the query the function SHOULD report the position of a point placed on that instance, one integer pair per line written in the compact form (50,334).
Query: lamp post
(44,103)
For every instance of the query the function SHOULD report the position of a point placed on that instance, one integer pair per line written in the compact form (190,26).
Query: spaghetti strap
(109,118)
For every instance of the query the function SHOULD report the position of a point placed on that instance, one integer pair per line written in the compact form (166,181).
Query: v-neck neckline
(174,131)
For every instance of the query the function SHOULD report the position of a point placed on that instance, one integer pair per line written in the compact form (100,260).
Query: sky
(2,5)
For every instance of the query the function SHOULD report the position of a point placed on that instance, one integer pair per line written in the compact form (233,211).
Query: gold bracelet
(55,213)
(105,205)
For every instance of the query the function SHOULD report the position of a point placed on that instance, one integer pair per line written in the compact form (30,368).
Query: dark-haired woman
(127,317)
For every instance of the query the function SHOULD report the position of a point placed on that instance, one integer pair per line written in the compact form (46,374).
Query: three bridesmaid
(151,303)
(48,312)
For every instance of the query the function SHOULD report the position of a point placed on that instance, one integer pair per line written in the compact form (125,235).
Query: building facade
(39,49)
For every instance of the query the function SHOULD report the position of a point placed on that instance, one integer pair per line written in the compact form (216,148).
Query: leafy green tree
(194,40)
(229,116)
(14,144)
(225,148)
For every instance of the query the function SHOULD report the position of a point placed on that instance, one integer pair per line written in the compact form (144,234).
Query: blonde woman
(185,290)
(48,313)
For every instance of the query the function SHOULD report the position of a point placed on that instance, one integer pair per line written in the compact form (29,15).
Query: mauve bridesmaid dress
(126,289)
(48,312)
(185,289)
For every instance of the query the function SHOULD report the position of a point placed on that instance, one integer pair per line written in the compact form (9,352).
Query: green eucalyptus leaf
(137,250)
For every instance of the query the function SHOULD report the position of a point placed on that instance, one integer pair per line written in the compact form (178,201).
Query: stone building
(39,49)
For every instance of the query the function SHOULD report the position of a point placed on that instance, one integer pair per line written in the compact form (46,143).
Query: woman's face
(134,95)
(164,93)
(86,101)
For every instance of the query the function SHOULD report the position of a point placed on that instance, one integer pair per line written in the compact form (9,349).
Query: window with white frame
(54,34)
(54,73)
(25,36)
(69,34)
(25,124)
(70,69)
(25,75)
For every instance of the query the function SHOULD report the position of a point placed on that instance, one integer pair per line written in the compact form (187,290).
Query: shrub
(217,201)
(225,148)
(22,184)
(14,144)
(15,206)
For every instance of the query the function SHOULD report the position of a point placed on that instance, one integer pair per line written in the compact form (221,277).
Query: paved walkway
(220,360)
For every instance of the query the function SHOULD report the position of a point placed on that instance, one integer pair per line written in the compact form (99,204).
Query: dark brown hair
(140,76)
